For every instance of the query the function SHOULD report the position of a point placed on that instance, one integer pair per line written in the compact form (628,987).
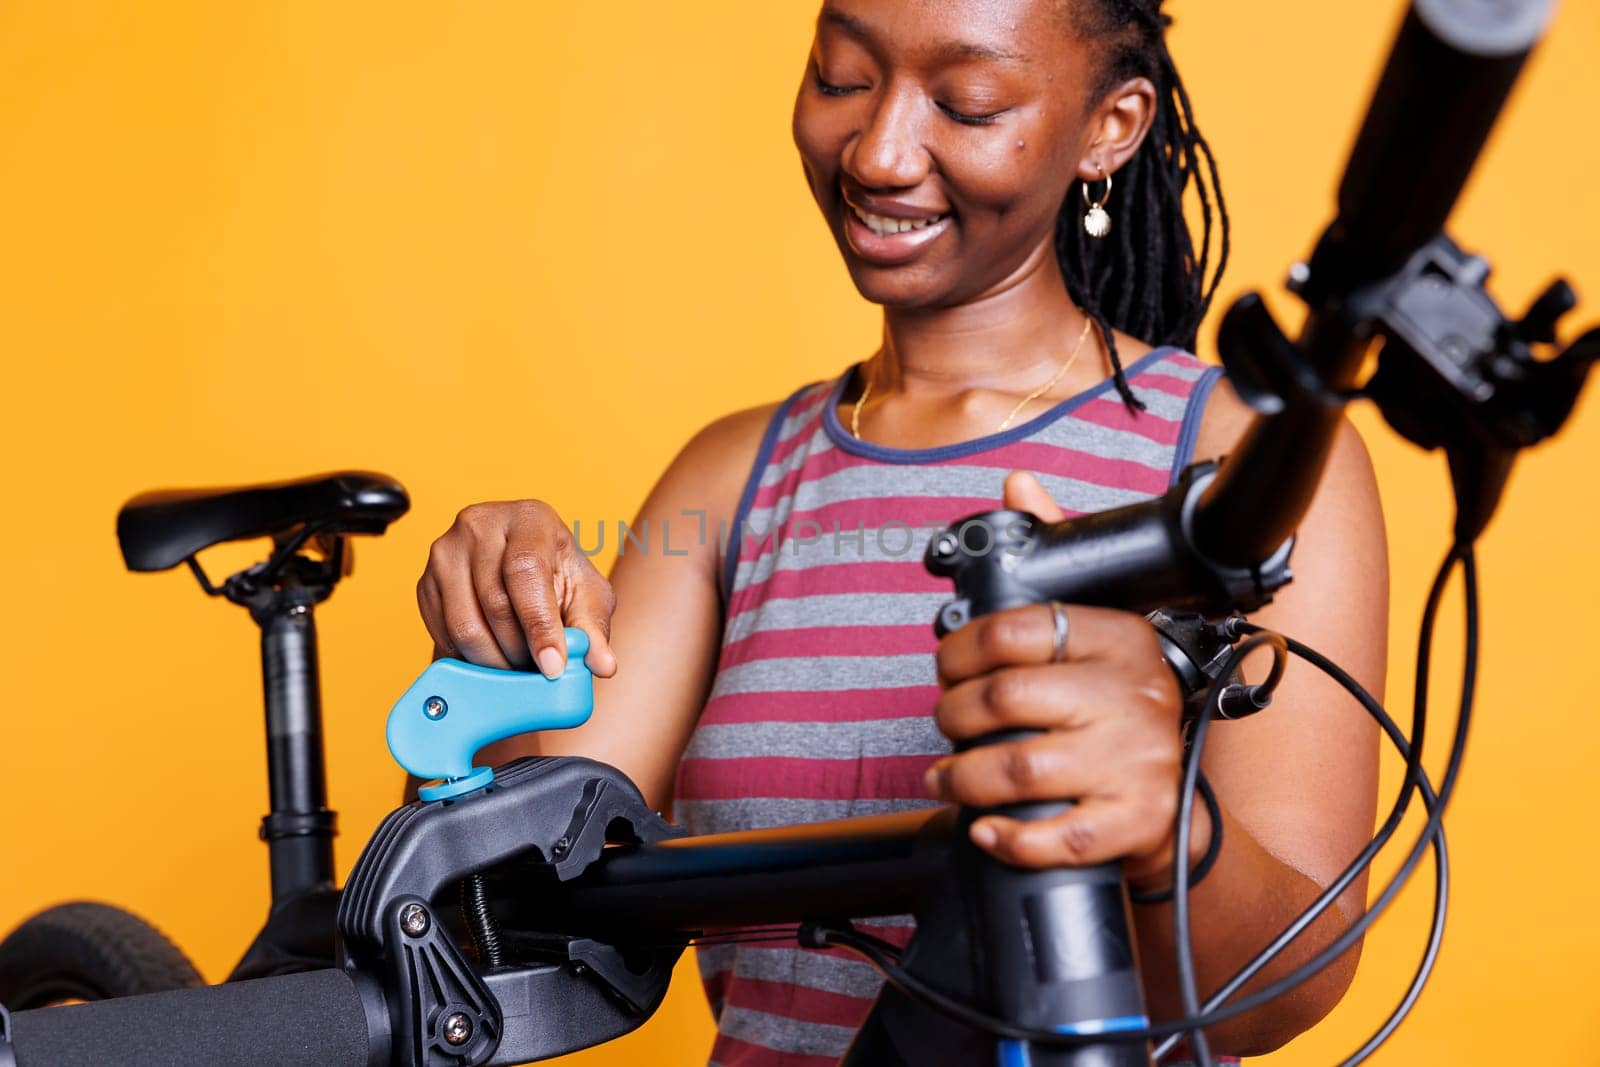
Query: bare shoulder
(1226,417)
(715,462)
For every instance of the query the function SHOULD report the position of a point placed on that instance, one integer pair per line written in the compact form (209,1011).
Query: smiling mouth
(887,227)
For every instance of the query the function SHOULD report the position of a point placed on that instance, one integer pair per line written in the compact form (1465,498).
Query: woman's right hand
(503,581)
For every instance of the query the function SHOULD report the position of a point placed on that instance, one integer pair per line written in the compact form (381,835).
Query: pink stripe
(800,1003)
(1025,455)
(788,446)
(866,778)
(1165,383)
(829,641)
(838,705)
(1113,415)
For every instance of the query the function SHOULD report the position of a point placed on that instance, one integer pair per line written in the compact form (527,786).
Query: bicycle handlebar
(316,1019)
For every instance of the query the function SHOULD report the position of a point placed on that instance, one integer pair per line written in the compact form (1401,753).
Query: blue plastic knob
(454,709)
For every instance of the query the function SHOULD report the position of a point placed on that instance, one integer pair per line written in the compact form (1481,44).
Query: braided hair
(1147,279)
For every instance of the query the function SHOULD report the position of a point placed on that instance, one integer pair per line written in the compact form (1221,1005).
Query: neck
(1003,340)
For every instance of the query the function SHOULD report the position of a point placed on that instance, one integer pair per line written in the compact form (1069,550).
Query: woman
(966,157)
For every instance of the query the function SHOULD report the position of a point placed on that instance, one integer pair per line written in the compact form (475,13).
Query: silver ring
(1058,639)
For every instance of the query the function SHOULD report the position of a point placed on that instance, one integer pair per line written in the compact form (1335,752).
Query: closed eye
(972,120)
(829,89)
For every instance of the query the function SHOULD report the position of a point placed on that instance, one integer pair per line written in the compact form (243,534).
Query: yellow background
(528,248)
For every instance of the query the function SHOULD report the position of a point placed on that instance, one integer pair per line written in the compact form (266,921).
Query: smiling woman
(793,676)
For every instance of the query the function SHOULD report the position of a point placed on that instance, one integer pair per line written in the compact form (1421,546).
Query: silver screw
(1299,275)
(435,707)
(414,920)
(458,1029)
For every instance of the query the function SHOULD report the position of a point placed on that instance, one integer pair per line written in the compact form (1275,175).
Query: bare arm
(1297,783)
(666,627)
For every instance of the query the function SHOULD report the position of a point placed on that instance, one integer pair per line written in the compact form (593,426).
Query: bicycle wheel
(87,951)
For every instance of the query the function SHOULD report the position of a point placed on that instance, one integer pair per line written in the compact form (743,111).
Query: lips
(888,240)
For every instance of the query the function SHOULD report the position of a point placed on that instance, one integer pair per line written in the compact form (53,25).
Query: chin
(903,288)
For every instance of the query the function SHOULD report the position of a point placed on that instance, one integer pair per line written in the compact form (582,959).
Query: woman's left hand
(1109,710)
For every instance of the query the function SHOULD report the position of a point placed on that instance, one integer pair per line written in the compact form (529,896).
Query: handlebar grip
(315,1018)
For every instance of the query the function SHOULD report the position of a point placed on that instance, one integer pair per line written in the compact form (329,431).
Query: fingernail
(549,662)
(983,835)
(933,780)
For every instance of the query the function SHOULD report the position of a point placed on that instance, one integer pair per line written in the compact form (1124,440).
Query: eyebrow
(943,52)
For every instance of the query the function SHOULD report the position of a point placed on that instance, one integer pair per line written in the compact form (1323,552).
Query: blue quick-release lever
(456,708)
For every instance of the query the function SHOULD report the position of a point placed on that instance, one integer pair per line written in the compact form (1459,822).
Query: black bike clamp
(543,818)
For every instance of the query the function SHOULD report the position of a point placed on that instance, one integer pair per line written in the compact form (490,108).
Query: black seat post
(299,830)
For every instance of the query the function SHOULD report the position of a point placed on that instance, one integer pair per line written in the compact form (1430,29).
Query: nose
(888,151)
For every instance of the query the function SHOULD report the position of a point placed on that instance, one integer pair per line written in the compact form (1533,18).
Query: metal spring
(480,924)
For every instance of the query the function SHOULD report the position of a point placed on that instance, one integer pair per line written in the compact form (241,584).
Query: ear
(1117,127)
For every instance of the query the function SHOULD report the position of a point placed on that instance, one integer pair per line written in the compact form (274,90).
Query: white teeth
(885,227)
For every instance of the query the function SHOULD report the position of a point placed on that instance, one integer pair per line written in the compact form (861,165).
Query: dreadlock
(1146,280)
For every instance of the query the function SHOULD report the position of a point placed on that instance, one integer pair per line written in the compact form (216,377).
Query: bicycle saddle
(159,530)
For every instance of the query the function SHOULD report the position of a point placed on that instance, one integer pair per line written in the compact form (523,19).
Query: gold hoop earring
(1097,220)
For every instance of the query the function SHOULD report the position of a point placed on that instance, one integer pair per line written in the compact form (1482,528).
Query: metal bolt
(435,708)
(561,846)
(1299,275)
(947,545)
(414,920)
(458,1029)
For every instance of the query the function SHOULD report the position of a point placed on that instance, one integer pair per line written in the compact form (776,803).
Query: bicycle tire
(88,951)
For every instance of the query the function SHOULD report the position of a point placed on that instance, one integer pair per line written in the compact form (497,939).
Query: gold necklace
(855,412)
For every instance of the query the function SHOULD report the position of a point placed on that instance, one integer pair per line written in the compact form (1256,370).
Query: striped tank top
(821,707)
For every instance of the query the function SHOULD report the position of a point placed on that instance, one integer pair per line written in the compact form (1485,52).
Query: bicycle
(579,898)
(94,951)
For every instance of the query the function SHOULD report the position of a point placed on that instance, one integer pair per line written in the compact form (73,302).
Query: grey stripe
(826,674)
(835,609)
(794,420)
(859,543)
(797,966)
(1158,403)
(760,813)
(1108,442)
(913,736)
(817,444)
(985,483)
(1174,368)
(785,1035)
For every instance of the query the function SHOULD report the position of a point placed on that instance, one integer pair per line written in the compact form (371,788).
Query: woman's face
(940,138)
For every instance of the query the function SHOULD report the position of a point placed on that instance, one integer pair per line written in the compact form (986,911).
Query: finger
(431,608)
(531,584)
(590,611)
(1043,696)
(490,585)
(465,628)
(1024,492)
(1051,766)
(1099,830)
(1026,635)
